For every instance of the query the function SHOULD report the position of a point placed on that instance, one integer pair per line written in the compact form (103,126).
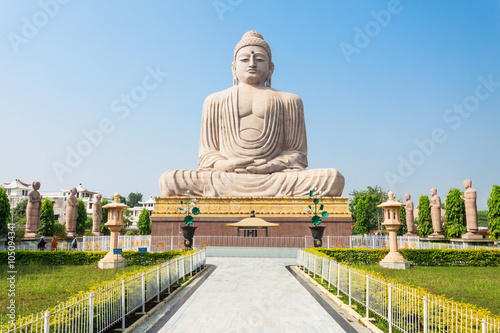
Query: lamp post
(392,222)
(114,224)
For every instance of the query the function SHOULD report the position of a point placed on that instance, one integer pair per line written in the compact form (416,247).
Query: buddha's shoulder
(220,95)
(285,96)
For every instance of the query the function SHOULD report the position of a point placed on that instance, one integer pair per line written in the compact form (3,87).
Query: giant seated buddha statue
(253,138)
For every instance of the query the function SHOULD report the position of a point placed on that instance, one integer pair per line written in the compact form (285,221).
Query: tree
(482,218)
(5,217)
(376,214)
(424,216)
(454,214)
(89,222)
(123,200)
(19,211)
(46,218)
(402,214)
(60,230)
(144,224)
(494,212)
(81,218)
(365,210)
(133,199)
(104,230)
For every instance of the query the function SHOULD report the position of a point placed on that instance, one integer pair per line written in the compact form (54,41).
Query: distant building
(136,211)
(17,191)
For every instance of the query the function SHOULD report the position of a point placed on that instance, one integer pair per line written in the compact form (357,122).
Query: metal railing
(404,308)
(99,309)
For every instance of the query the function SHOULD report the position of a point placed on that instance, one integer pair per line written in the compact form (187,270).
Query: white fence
(404,308)
(167,243)
(99,309)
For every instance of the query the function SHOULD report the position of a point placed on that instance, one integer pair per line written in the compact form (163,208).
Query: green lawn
(474,285)
(40,287)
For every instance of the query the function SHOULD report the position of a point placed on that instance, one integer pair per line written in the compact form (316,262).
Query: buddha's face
(252,65)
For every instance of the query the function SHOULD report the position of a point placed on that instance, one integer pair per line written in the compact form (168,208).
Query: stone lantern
(114,224)
(392,223)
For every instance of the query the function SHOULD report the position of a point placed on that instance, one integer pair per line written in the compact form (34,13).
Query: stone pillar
(392,222)
(114,224)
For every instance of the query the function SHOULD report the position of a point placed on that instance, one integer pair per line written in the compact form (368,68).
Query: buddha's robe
(282,142)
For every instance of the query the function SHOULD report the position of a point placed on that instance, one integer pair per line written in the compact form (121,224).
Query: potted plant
(318,213)
(188,230)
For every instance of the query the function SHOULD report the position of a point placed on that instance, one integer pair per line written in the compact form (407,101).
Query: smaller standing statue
(436,215)
(469,199)
(71,212)
(97,216)
(33,211)
(410,225)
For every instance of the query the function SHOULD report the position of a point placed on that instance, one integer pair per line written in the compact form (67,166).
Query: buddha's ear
(235,78)
(271,70)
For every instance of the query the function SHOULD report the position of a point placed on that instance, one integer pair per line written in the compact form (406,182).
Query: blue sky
(400,94)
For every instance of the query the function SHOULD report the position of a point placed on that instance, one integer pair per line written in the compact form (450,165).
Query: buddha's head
(467,183)
(73,190)
(98,197)
(407,196)
(433,191)
(36,185)
(252,60)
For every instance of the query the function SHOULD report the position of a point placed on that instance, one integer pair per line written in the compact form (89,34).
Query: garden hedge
(431,257)
(84,257)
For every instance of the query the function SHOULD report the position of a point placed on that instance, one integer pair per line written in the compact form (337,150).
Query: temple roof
(16,184)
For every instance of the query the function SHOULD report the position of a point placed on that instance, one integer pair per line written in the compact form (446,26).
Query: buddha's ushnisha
(253,138)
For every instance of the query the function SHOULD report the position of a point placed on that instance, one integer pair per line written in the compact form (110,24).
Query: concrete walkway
(251,295)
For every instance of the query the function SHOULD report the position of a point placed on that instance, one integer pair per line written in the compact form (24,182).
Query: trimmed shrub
(431,257)
(424,216)
(46,218)
(455,214)
(86,257)
(494,212)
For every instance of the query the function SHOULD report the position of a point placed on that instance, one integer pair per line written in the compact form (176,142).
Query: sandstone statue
(71,212)
(436,215)
(253,138)
(97,216)
(469,199)
(33,210)
(410,225)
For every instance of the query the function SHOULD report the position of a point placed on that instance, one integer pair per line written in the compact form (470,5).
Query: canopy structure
(252,224)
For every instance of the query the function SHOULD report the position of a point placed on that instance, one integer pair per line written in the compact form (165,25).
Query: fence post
(191,264)
(426,316)
(158,284)
(322,269)
(177,271)
(389,307)
(143,292)
(367,296)
(168,271)
(46,322)
(305,242)
(338,279)
(329,272)
(483,325)
(349,287)
(91,312)
(123,304)
(328,241)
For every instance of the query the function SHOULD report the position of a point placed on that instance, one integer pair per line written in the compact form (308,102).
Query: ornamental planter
(188,233)
(317,234)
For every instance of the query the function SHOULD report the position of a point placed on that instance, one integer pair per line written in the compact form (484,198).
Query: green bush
(130,233)
(60,230)
(431,257)
(424,216)
(455,214)
(46,218)
(494,212)
(85,257)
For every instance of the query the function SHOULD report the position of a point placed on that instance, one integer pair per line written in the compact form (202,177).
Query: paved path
(251,295)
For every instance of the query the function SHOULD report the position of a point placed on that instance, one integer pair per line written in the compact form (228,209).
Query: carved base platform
(472,236)
(394,260)
(436,236)
(111,260)
(290,213)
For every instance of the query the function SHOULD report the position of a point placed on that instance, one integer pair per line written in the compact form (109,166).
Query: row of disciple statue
(33,210)
(469,199)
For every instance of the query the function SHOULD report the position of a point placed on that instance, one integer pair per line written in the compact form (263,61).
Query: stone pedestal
(471,243)
(436,236)
(393,259)
(472,236)
(111,260)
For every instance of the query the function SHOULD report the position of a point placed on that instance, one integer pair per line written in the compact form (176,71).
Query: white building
(136,211)
(17,191)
